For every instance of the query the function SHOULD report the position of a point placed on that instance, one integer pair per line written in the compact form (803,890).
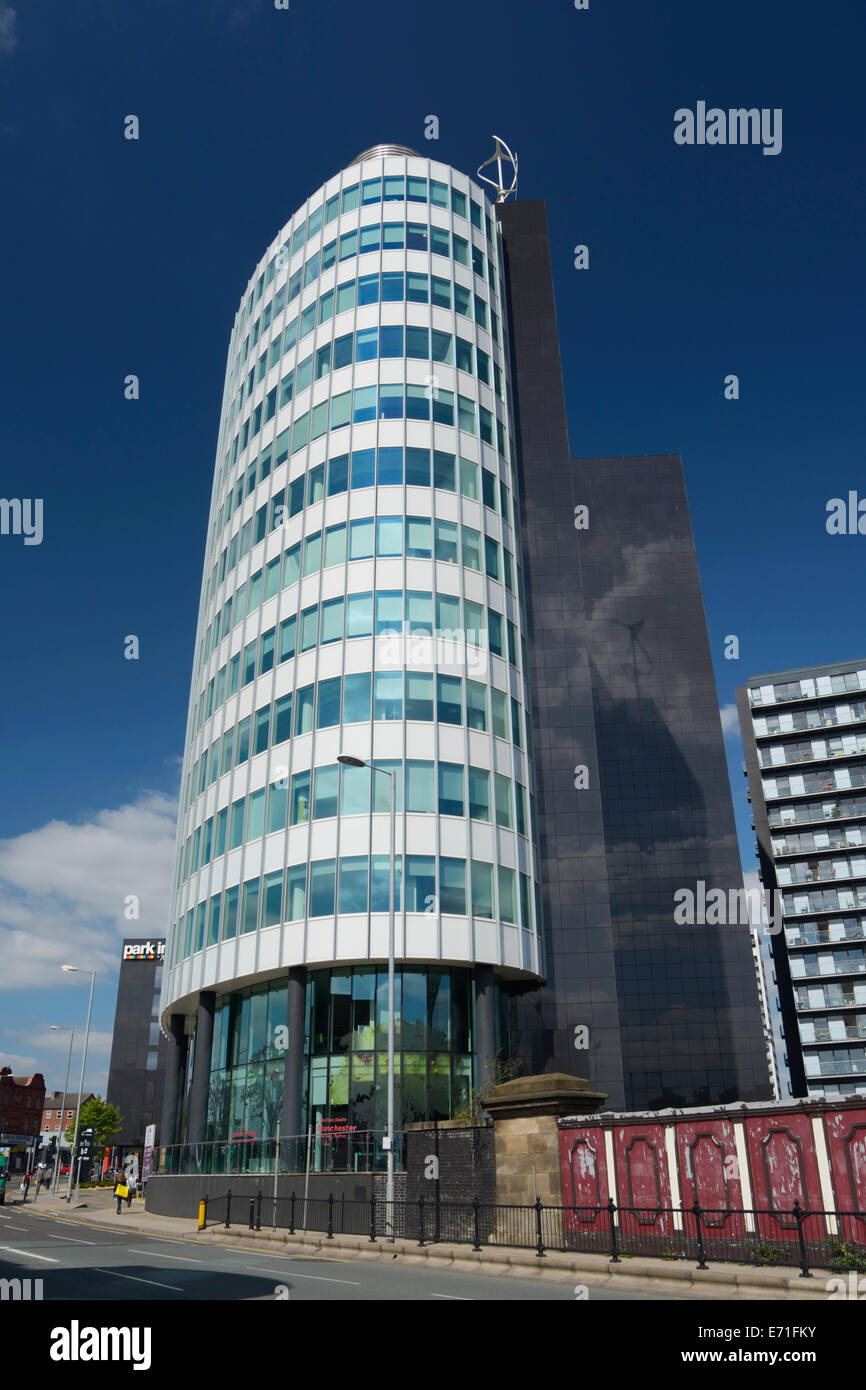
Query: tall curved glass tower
(361,596)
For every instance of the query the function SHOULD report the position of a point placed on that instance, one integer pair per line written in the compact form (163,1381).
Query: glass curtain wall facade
(361,595)
(804,734)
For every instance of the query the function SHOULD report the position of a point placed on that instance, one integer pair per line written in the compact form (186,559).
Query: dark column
(173,1080)
(485,1025)
(291,1122)
(198,1091)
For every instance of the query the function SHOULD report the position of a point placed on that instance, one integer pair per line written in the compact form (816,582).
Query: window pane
(420,788)
(419,695)
(335,546)
(304,710)
(449,699)
(446,542)
(417,467)
(506,894)
(389,535)
(322,888)
(479,793)
(328,713)
(451,789)
(389,611)
(502,788)
(356,699)
(388,695)
(476,705)
(277,804)
(361,540)
(482,889)
(420,876)
(300,798)
(326,785)
(359,616)
(332,621)
(443,471)
(355,786)
(250,909)
(256,815)
(354,878)
(452,885)
(363,468)
(390,468)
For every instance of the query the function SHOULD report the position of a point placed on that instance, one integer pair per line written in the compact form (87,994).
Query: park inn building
(393,572)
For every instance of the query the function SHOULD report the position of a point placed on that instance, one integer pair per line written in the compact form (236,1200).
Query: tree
(105,1120)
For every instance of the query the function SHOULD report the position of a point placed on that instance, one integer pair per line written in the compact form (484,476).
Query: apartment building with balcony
(804,733)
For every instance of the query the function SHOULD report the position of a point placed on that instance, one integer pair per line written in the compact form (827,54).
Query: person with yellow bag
(121,1189)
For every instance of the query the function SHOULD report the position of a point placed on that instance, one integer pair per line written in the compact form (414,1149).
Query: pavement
(633,1277)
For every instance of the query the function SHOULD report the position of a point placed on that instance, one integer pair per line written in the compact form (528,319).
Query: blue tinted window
(390,470)
(328,711)
(363,468)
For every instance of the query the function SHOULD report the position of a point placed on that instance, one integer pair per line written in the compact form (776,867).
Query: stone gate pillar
(524,1113)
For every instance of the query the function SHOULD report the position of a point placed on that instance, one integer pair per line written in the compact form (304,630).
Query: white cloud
(8,37)
(63,889)
(730,720)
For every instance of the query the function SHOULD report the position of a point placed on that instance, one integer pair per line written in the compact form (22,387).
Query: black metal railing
(792,1237)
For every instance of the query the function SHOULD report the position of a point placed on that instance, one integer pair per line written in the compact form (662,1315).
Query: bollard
(611,1213)
(252,1213)
(202,1213)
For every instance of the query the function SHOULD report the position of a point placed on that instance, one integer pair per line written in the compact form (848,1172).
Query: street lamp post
(58,1028)
(74,969)
(349,761)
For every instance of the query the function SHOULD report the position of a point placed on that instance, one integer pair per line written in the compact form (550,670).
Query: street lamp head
(69,967)
(349,761)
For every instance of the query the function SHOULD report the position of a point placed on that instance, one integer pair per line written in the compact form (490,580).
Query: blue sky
(123,257)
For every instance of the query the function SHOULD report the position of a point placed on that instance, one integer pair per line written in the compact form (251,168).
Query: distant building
(56,1118)
(136,1070)
(21,1103)
(804,733)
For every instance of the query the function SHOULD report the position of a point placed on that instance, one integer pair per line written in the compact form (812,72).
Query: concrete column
(173,1081)
(291,1122)
(198,1091)
(485,1025)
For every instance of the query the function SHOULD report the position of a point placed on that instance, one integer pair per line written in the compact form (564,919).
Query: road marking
(184,1259)
(137,1280)
(13,1227)
(454,1296)
(74,1240)
(320,1278)
(30,1254)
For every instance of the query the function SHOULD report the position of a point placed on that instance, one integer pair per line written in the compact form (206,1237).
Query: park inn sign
(146,950)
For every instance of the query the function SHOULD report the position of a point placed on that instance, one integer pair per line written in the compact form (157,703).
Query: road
(84,1261)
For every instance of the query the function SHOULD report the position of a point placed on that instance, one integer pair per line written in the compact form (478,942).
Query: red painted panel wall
(846,1143)
(709,1172)
(584,1181)
(784,1170)
(642,1177)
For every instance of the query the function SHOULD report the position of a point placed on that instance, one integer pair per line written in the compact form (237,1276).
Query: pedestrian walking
(130,1185)
(120,1191)
(25,1186)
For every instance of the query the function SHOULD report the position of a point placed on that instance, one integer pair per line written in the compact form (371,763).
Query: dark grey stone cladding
(621,683)
(467,1164)
(136,1091)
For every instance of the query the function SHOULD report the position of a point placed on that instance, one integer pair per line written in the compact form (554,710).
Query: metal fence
(797,1238)
(344,1151)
